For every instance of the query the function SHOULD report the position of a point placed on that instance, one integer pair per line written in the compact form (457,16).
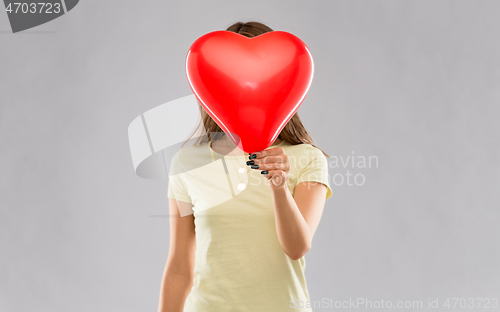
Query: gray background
(415,83)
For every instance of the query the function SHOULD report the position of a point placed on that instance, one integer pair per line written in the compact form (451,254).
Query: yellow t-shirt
(240,265)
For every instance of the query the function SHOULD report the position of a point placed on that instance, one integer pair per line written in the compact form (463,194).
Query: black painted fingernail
(249,156)
(255,166)
(264,172)
(250,162)
(254,156)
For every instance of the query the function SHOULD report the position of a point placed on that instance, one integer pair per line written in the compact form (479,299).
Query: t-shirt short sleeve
(316,169)
(176,186)
(177,189)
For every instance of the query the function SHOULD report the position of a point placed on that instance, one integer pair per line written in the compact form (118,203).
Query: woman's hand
(275,166)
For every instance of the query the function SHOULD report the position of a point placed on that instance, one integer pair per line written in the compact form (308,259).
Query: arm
(179,270)
(298,216)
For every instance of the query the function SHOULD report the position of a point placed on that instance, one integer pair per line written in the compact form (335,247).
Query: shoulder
(305,155)
(187,158)
(190,151)
(303,150)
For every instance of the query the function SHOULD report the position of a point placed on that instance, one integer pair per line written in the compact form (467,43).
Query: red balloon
(250,87)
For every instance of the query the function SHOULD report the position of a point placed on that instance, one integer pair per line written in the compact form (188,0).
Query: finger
(272,159)
(272,173)
(269,152)
(271,166)
(282,158)
(277,177)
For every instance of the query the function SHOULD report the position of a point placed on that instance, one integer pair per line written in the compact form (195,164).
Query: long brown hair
(294,131)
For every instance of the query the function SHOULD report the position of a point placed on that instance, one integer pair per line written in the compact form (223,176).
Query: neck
(225,146)
(276,142)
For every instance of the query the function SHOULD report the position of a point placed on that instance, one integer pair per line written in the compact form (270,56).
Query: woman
(238,236)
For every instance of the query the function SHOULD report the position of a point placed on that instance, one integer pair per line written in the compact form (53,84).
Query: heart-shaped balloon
(250,87)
